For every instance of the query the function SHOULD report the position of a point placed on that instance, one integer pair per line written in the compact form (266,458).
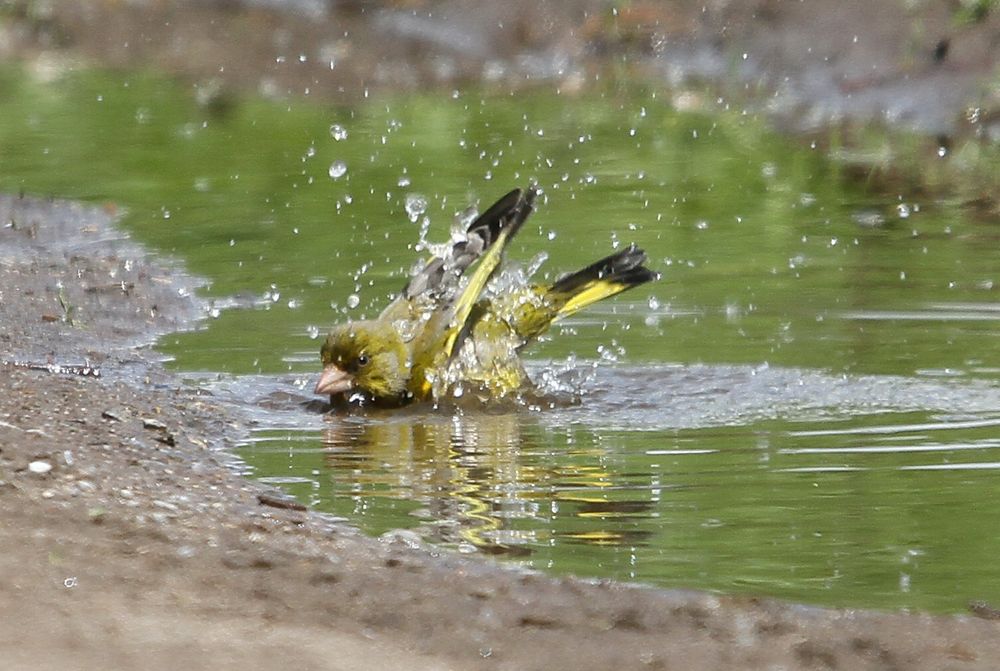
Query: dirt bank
(128,543)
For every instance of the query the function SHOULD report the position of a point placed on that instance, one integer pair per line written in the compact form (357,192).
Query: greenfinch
(449,333)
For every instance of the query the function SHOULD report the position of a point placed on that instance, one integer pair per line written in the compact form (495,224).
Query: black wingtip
(508,212)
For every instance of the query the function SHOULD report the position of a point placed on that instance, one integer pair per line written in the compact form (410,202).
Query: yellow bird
(447,334)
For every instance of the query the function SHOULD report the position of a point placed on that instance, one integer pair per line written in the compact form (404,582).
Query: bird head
(364,357)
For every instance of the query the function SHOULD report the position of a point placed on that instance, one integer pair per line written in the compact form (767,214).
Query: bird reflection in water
(486,482)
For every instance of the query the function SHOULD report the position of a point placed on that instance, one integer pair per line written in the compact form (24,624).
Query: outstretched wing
(439,272)
(501,222)
(452,301)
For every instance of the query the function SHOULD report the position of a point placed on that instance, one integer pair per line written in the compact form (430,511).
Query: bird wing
(449,324)
(497,226)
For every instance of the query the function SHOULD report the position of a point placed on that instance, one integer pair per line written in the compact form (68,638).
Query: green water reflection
(769,254)
(848,519)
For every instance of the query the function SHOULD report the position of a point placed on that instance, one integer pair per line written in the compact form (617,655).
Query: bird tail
(602,279)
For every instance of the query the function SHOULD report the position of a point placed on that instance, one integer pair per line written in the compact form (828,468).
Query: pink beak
(333,381)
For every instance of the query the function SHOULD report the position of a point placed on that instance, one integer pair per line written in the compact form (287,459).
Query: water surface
(806,405)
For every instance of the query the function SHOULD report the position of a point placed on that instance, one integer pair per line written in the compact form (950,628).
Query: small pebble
(40,467)
(278,500)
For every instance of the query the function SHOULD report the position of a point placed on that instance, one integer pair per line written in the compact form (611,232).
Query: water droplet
(868,219)
(942,151)
(903,210)
(353,301)
(338,169)
(653,303)
(338,132)
(416,205)
(404,181)
(607,354)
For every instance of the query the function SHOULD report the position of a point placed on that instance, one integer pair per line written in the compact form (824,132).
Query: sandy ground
(127,542)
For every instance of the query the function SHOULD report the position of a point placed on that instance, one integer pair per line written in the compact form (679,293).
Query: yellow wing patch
(591,292)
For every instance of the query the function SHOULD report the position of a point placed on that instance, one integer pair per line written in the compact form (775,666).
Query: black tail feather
(624,267)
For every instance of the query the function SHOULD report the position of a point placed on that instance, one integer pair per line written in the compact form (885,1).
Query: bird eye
(363,360)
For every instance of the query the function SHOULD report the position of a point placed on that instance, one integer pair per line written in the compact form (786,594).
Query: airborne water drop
(337,169)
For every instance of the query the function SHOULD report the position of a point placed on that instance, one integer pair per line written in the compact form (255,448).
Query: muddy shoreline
(129,541)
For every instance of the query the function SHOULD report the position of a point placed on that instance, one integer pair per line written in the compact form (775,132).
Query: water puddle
(806,405)
(827,489)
